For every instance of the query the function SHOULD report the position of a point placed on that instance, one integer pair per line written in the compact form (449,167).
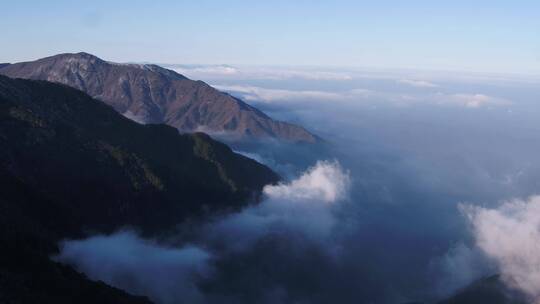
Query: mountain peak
(81,56)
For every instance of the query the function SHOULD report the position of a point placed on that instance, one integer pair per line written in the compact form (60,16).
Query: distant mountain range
(71,166)
(151,94)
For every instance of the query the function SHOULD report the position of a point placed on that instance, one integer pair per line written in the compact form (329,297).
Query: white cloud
(469,100)
(309,74)
(208,70)
(416,78)
(250,72)
(139,266)
(170,274)
(510,235)
(326,182)
(303,206)
(252,93)
(418,83)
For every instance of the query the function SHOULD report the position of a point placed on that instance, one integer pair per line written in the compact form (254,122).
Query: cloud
(260,73)
(142,267)
(460,266)
(415,78)
(169,274)
(136,118)
(510,235)
(252,93)
(308,74)
(325,237)
(303,206)
(418,83)
(470,100)
(206,70)
(326,182)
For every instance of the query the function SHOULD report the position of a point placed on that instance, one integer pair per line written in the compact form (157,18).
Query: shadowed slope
(71,166)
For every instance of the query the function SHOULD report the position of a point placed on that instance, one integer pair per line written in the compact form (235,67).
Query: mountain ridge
(149,93)
(71,166)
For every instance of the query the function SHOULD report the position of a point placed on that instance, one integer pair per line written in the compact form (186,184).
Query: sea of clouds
(425,183)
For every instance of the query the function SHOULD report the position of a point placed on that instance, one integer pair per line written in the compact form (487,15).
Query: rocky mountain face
(152,94)
(71,166)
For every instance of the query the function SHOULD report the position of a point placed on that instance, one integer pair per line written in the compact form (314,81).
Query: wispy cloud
(254,93)
(126,261)
(414,78)
(136,118)
(418,83)
(304,74)
(266,73)
(470,100)
(208,70)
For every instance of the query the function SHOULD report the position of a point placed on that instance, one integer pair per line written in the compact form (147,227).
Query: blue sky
(484,36)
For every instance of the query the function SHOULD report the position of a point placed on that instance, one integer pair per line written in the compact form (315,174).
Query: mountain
(152,94)
(486,290)
(71,166)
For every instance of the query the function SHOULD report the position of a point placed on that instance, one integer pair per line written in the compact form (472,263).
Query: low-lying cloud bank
(415,78)
(469,100)
(510,235)
(253,72)
(167,274)
(382,226)
(252,93)
(142,267)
